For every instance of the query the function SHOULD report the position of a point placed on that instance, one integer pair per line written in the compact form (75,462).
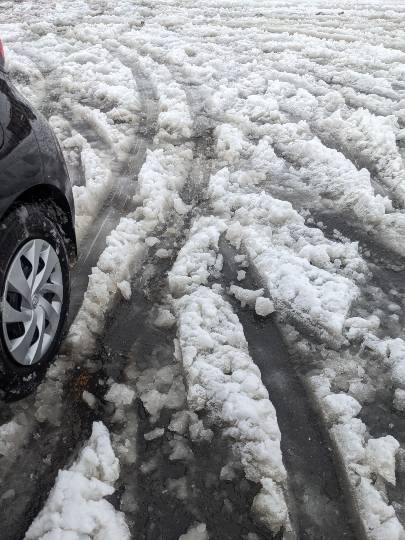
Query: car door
(20,161)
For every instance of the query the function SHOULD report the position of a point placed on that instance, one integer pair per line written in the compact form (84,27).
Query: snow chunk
(269,504)
(154,434)
(90,399)
(163,253)
(399,399)
(76,507)
(196,532)
(264,306)
(120,395)
(125,289)
(12,436)
(164,319)
(340,407)
(151,241)
(241,275)
(162,388)
(231,143)
(245,296)
(380,455)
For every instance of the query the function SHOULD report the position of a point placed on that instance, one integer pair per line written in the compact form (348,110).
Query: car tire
(30,233)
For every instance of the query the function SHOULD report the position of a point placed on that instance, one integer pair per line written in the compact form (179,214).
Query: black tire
(22,224)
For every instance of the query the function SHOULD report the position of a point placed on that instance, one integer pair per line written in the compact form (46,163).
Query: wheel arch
(55,201)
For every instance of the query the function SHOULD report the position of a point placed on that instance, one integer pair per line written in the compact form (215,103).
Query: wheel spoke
(37,346)
(54,288)
(52,312)
(20,346)
(51,260)
(11,315)
(18,281)
(33,254)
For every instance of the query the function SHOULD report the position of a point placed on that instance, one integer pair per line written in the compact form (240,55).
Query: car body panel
(20,159)
(30,155)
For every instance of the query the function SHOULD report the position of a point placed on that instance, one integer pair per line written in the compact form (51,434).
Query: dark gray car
(37,238)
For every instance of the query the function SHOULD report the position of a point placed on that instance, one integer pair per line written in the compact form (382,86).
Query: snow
(164,319)
(196,532)
(340,408)
(222,378)
(125,289)
(246,296)
(380,455)
(266,132)
(76,507)
(363,456)
(160,179)
(279,244)
(88,198)
(120,394)
(197,256)
(264,306)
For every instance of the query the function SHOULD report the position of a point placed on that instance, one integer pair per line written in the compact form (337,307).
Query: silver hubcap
(32,301)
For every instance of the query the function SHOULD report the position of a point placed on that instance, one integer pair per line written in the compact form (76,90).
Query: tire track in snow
(320,504)
(388,277)
(312,519)
(170,175)
(49,448)
(159,508)
(119,201)
(170,495)
(285,18)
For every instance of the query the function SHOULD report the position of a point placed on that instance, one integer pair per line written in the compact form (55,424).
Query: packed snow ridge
(222,378)
(76,506)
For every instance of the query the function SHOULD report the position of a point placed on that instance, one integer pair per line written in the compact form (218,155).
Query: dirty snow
(76,506)
(279,129)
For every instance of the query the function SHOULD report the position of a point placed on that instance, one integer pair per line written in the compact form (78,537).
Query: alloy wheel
(32,301)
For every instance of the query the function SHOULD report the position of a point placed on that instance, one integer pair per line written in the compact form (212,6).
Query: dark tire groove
(130,336)
(320,503)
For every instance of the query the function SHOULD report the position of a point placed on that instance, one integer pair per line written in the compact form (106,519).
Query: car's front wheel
(35,290)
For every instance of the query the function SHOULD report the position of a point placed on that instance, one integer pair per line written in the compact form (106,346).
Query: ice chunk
(154,434)
(380,455)
(196,532)
(120,395)
(125,289)
(245,296)
(164,319)
(264,306)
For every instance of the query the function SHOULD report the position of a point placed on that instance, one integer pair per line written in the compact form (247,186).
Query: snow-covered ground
(232,161)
